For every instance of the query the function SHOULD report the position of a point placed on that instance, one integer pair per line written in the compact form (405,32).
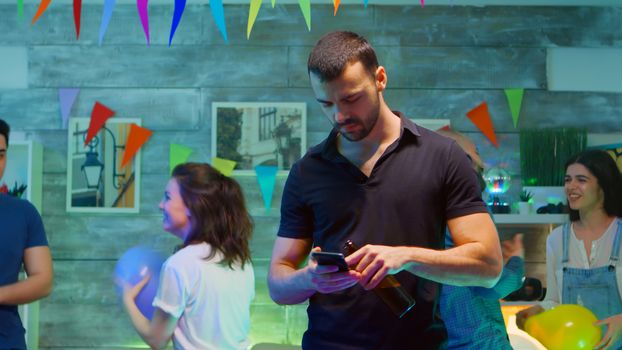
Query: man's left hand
(614,332)
(374,262)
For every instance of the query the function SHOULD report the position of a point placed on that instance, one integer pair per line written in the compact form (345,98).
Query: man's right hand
(326,279)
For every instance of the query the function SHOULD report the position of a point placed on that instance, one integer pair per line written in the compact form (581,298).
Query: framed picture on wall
(96,181)
(259,133)
(611,143)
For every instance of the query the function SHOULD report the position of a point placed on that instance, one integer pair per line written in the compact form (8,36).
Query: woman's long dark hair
(604,168)
(218,212)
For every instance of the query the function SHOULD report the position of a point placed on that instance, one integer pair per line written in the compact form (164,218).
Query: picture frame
(93,186)
(259,133)
(609,142)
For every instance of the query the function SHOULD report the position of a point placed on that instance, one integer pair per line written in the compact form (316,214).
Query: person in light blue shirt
(472,315)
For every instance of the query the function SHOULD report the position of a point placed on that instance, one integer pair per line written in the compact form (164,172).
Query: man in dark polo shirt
(391,187)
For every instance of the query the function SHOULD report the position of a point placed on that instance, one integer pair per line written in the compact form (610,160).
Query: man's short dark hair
(5,129)
(335,50)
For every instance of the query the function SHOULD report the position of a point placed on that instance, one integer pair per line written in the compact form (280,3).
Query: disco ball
(498,180)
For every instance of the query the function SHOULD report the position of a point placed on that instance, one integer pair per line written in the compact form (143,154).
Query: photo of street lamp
(96,182)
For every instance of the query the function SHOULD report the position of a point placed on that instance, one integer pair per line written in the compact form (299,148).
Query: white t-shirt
(577,258)
(211,301)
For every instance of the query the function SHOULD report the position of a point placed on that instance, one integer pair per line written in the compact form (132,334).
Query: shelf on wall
(530,219)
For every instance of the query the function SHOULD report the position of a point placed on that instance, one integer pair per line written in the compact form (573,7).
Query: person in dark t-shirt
(22,242)
(389,186)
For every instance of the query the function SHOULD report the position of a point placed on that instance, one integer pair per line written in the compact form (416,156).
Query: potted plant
(524,205)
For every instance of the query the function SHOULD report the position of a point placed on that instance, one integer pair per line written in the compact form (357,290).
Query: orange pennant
(135,140)
(42,7)
(336,6)
(99,116)
(481,118)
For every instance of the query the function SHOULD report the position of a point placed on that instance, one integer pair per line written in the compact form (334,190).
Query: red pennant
(135,140)
(99,116)
(77,10)
(481,118)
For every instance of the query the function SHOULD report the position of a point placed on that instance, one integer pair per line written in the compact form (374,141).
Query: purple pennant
(67,97)
(108,8)
(218,13)
(143,13)
(180,6)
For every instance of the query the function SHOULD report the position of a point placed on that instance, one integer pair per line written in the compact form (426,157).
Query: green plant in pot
(525,205)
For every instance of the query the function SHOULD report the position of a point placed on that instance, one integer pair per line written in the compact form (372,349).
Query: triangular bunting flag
(365,2)
(42,7)
(218,12)
(225,166)
(336,6)
(422,3)
(253,10)
(305,7)
(481,118)
(77,11)
(135,140)
(66,97)
(266,176)
(273,3)
(180,6)
(178,154)
(20,9)
(106,15)
(515,100)
(143,13)
(99,116)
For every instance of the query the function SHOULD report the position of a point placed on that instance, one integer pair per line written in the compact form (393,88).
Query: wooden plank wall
(441,62)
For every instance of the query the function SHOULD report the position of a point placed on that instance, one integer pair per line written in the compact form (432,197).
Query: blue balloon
(132,267)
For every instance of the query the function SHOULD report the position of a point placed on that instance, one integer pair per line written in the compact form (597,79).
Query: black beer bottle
(389,289)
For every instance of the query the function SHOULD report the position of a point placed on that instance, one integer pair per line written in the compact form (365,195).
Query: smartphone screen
(327,258)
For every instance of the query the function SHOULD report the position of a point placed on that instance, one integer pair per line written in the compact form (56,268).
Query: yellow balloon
(565,327)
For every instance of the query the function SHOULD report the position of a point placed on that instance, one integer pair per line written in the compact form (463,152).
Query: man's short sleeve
(296,217)
(36,232)
(171,296)
(462,188)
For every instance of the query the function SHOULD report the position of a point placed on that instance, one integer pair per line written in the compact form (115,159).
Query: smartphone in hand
(327,258)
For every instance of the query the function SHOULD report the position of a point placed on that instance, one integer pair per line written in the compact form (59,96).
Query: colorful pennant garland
(336,6)
(218,12)
(180,6)
(253,11)
(305,7)
(178,154)
(20,9)
(143,13)
(99,116)
(66,97)
(266,176)
(481,118)
(77,12)
(106,15)
(515,100)
(225,166)
(43,5)
(137,137)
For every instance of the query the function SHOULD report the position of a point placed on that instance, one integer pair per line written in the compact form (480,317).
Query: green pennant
(178,154)
(515,100)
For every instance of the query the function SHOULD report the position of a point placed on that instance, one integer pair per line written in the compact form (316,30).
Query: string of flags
(266,175)
(216,7)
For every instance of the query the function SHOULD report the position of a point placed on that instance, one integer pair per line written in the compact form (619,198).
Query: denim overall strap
(595,288)
(565,239)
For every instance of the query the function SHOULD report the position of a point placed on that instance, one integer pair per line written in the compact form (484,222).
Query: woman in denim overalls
(582,256)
